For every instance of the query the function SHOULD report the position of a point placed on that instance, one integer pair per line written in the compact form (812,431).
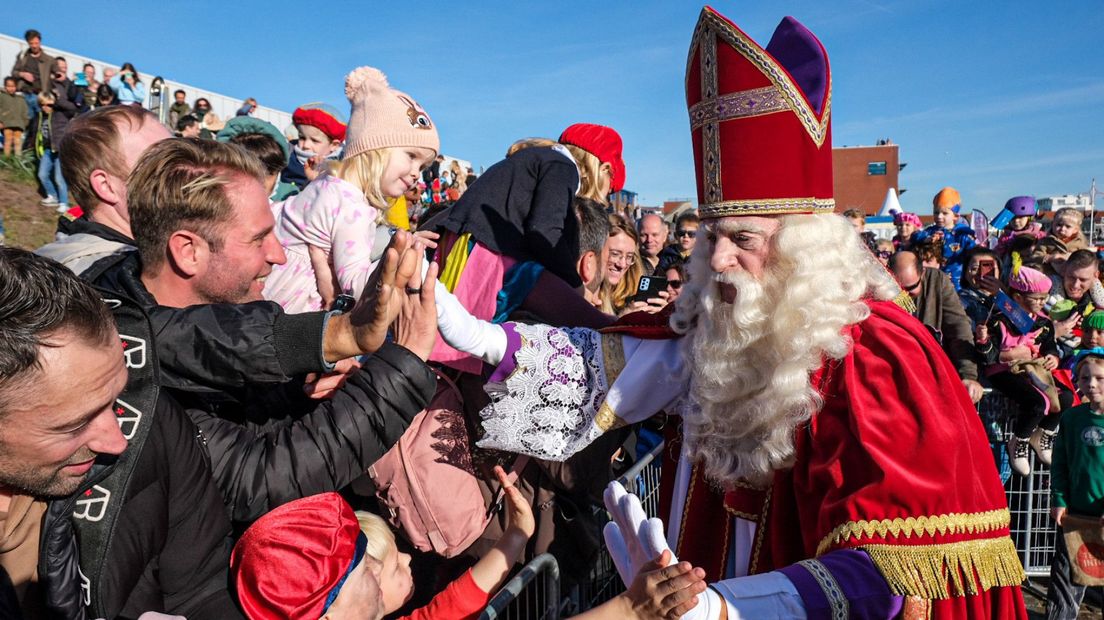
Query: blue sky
(994,99)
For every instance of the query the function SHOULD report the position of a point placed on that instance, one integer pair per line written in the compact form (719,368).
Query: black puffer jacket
(165,529)
(270,444)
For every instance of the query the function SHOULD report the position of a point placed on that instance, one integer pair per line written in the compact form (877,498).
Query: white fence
(224,106)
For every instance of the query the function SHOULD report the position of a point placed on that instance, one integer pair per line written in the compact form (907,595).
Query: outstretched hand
(662,591)
(416,325)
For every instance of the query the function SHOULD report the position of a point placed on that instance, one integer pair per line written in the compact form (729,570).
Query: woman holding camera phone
(128,85)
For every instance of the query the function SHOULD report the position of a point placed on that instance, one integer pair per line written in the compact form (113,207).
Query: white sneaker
(49,201)
(63,208)
(1042,442)
(1018,451)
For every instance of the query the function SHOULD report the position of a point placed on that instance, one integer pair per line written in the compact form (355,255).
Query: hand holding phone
(649,288)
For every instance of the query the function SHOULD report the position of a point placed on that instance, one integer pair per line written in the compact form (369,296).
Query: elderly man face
(740,245)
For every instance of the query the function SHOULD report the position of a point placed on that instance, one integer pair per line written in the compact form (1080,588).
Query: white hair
(750,361)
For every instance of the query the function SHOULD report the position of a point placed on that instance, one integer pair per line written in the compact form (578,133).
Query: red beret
(602,142)
(287,562)
(326,118)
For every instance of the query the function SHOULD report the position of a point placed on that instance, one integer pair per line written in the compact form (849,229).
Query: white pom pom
(360,77)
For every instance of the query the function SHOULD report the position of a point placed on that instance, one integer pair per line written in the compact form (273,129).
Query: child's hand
(1063,328)
(313,167)
(426,238)
(519,515)
(1050,362)
(323,386)
(1059,514)
(660,591)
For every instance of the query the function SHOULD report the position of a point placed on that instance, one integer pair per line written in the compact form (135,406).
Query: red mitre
(760,120)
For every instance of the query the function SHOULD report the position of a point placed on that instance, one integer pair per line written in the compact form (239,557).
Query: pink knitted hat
(383,117)
(1028,280)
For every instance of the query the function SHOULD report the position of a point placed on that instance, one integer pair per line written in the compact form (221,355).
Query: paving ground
(1034,598)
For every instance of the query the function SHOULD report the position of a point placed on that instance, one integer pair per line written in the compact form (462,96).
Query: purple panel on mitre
(799,51)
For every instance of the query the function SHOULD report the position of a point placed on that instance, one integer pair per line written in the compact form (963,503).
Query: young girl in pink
(330,229)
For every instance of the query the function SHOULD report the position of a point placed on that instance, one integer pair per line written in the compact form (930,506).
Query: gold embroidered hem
(953,523)
(937,571)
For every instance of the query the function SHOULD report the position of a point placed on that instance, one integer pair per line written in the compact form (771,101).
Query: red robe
(896,463)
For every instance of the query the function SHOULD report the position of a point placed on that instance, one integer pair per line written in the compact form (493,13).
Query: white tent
(891,204)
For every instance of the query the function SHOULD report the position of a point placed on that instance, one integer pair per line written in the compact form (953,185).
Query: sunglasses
(685,233)
(675,284)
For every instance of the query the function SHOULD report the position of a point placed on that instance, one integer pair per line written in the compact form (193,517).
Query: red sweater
(461,600)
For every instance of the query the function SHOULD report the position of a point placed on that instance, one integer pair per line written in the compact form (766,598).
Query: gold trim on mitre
(712,23)
(766,206)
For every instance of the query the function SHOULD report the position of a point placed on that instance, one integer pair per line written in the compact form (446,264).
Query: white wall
(223,105)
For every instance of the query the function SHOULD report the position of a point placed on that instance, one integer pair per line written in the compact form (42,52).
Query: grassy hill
(27,225)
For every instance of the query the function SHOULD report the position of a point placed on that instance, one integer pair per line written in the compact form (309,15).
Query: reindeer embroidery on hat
(418,118)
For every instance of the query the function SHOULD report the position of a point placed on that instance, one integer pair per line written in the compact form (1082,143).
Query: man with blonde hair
(204,229)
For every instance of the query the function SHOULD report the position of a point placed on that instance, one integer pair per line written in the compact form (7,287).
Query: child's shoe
(1018,451)
(1043,443)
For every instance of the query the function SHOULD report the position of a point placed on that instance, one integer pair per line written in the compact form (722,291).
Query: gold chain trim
(766,206)
(936,571)
(817,129)
(741,104)
(760,533)
(952,523)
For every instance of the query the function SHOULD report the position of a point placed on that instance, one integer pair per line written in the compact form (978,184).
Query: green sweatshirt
(1077,469)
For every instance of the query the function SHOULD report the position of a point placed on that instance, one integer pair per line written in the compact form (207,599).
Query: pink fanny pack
(428,482)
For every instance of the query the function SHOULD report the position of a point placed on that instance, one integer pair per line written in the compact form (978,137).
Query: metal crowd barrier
(604,583)
(1032,529)
(533,594)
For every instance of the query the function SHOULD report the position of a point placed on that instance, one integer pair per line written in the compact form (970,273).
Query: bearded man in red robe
(829,463)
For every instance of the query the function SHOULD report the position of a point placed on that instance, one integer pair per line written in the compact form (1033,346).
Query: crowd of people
(41,96)
(335,402)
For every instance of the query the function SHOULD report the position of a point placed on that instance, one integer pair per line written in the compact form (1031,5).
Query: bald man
(653,236)
(939,308)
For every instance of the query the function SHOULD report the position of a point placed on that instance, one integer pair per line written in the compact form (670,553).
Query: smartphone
(649,288)
(986,268)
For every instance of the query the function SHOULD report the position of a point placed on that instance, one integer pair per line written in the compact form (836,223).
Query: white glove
(635,540)
(463,332)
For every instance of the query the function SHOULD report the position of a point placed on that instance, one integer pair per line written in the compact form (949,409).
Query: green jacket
(1077,464)
(14,113)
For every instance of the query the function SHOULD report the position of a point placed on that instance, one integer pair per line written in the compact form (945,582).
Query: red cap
(326,118)
(760,120)
(288,562)
(602,142)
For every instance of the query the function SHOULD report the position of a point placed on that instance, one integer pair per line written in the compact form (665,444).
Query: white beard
(750,361)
